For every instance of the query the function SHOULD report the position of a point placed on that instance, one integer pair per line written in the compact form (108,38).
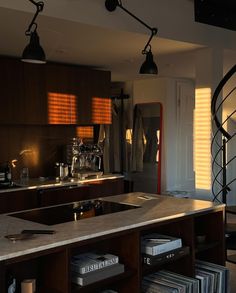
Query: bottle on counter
(8,175)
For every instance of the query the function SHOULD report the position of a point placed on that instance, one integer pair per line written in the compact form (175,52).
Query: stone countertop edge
(153,209)
(36,183)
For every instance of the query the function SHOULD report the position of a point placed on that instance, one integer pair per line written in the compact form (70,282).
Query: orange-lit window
(101,110)
(85,132)
(62,108)
(202,138)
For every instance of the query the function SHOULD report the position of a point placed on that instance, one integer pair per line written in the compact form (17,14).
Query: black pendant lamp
(33,52)
(149,66)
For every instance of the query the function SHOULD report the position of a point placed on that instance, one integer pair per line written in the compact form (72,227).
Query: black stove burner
(72,212)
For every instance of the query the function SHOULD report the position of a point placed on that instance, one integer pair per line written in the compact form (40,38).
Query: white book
(88,262)
(154,244)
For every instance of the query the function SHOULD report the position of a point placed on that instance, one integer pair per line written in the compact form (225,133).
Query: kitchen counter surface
(153,209)
(42,182)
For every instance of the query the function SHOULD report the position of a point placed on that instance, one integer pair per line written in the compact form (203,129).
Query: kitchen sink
(72,212)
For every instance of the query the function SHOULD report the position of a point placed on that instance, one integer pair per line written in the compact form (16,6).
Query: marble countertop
(42,183)
(153,209)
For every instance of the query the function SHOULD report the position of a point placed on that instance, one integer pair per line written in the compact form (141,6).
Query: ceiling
(72,42)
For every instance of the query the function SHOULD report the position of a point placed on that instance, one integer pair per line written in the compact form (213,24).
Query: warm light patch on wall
(202,138)
(62,108)
(101,110)
(85,132)
(128,135)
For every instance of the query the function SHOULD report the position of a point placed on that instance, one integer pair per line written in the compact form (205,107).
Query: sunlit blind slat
(85,132)
(62,108)
(101,110)
(202,138)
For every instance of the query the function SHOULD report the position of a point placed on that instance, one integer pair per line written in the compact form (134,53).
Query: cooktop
(72,212)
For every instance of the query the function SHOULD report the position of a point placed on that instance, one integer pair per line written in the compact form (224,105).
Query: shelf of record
(209,278)
(158,249)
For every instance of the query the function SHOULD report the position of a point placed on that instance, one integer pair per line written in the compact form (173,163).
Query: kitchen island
(47,257)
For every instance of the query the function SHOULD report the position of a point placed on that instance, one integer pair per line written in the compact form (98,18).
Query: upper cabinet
(53,94)
(35,97)
(12,90)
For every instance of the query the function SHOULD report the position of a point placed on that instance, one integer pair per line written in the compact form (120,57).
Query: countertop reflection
(45,182)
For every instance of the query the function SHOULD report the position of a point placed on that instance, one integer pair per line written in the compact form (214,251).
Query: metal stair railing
(221,137)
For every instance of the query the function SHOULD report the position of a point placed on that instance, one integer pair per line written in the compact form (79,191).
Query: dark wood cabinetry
(51,268)
(95,189)
(18,200)
(34,101)
(25,91)
(106,188)
(13,201)
(12,91)
(54,196)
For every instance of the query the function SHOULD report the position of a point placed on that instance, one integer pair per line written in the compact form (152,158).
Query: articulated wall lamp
(33,52)
(149,66)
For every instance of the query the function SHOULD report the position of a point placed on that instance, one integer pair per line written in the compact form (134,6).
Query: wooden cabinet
(12,91)
(95,189)
(35,95)
(54,196)
(26,90)
(13,201)
(18,200)
(107,187)
(51,268)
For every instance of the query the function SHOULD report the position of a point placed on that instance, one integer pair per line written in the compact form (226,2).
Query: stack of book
(169,282)
(158,248)
(213,277)
(91,267)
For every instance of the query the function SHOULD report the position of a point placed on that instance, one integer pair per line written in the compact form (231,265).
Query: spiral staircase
(223,160)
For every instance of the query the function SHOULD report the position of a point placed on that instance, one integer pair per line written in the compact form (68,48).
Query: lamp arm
(134,16)
(39,8)
(154,32)
(152,29)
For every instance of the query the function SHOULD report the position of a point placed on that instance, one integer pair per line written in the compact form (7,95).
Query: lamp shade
(33,52)
(148,66)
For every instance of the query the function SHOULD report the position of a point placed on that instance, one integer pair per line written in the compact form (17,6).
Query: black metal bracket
(39,8)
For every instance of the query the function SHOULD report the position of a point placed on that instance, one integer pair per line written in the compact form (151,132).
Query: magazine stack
(169,282)
(91,267)
(158,248)
(213,277)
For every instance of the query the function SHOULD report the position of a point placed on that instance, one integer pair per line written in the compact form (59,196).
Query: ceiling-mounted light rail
(33,52)
(149,66)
